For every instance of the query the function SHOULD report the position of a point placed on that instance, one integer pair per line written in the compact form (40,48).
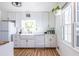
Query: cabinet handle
(26,40)
(50,39)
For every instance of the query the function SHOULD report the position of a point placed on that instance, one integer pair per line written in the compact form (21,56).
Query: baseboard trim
(35,47)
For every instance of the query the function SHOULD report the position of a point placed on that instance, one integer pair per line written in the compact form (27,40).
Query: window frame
(75,24)
(63,16)
(26,32)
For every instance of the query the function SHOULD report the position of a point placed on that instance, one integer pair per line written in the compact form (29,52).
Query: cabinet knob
(50,39)
(26,40)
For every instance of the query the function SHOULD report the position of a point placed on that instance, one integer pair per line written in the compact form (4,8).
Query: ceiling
(28,6)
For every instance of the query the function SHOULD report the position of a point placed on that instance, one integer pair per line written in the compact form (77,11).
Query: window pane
(78,40)
(67,33)
(77,25)
(67,29)
(78,16)
(65,36)
(28,26)
(68,38)
(77,5)
(68,15)
(67,24)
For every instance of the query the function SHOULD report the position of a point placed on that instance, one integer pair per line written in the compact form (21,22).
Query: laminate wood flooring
(35,52)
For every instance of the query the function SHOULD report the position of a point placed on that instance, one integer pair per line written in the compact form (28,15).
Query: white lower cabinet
(39,45)
(39,41)
(23,43)
(31,43)
(50,40)
(17,44)
(36,41)
(16,40)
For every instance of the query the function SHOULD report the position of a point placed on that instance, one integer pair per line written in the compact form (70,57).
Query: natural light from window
(67,24)
(28,26)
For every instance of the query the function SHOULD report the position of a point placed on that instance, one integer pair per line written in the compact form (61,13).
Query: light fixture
(17,4)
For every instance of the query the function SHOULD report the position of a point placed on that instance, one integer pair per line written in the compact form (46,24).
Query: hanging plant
(55,9)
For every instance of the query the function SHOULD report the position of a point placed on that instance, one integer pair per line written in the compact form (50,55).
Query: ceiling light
(17,4)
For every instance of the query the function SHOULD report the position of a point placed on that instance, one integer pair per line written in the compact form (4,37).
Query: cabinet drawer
(47,45)
(30,43)
(27,37)
(39,45)
(39,41)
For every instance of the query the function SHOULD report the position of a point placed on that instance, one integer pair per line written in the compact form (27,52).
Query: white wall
(40,17)
(4,15)
(51,20)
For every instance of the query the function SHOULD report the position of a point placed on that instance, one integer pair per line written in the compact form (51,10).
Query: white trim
(69,5)
(75,32)
(76,50)
(70,46)
(59,52)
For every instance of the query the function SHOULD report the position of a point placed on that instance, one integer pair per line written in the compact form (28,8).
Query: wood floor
(35,52)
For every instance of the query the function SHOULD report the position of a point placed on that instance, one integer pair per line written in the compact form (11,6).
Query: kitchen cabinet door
(39,38)
(23,43)
(39,41)
(31,43)
(50,40)
(17,44)
(47,41)
(16,40)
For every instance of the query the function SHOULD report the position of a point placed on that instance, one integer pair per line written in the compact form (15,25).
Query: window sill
(67,43)
(70,45)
